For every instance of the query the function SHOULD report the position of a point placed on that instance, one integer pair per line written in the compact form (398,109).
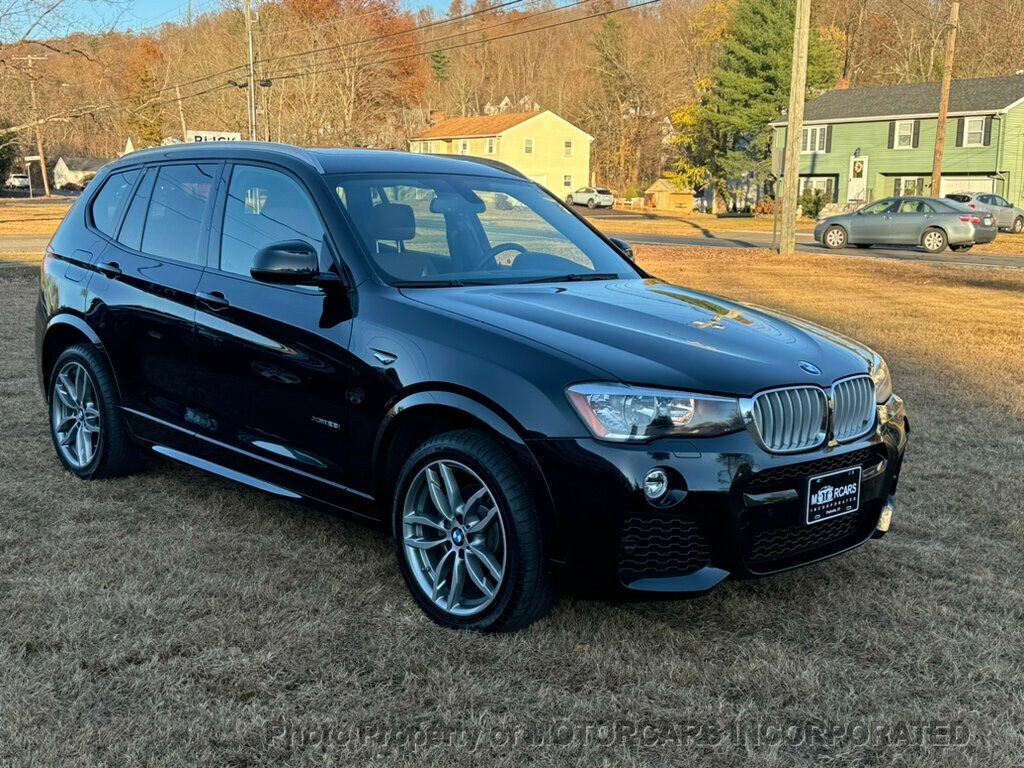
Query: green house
(862,144)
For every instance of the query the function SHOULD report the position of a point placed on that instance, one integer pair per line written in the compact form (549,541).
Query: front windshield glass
(435,229)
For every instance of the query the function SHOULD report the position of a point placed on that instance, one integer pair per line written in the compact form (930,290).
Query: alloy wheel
(835,238)
(933,240)
(453,537)
(75,415)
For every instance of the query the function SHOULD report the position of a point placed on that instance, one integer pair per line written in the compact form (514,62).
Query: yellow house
(541,145)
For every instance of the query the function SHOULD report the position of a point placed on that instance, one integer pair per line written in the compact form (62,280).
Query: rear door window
(174,220)
(110,201)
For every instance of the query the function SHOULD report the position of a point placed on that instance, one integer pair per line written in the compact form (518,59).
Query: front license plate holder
(833,495)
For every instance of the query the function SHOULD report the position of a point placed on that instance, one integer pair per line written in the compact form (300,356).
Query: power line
(81,112)
(464,33)
(554,25)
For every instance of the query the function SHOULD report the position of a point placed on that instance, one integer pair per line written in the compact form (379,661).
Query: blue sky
(96,15)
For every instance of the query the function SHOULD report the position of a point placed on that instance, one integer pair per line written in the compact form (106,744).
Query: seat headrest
(392,221)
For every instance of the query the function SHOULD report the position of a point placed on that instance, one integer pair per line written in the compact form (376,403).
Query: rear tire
(934,240)
(835,237)
(477,565)
(86,424)
(591,203)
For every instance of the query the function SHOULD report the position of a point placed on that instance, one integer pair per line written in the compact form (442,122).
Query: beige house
(541,145)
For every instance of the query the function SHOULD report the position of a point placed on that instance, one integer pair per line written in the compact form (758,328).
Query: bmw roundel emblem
(810,368)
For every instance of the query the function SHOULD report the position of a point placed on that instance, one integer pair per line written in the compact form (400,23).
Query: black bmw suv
(441,346)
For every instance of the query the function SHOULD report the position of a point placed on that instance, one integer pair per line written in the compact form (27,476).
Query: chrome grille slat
(855,407)
(793,419)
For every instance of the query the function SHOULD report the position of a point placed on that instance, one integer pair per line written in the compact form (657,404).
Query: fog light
(885,519)
(655,484)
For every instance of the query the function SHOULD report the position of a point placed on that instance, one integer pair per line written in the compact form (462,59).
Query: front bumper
(741,512)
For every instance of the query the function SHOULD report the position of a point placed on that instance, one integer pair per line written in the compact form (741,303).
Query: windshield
(426,229)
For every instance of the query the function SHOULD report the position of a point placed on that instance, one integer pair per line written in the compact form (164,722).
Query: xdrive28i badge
(810,368)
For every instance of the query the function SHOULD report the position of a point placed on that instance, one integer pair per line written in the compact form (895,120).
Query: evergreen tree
(728,136)
(440,65)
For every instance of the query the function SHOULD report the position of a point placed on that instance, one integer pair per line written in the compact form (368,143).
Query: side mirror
(624,247)
(290,263)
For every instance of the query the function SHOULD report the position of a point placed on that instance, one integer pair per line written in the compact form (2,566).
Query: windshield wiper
(439,283)
(573,277)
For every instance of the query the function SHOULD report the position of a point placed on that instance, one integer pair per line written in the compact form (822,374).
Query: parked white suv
(592,197)
(17,181)
(1007,216)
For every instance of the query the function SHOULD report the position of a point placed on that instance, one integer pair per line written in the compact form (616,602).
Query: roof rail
(289,150)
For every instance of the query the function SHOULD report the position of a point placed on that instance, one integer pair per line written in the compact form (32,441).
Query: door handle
(214,300)
(110,268)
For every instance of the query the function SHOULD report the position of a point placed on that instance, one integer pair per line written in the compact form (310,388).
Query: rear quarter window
(110,200)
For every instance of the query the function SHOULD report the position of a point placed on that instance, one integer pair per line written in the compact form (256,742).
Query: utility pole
(252,72)
(181,111)
(947,81)
(35,118)
(794,128)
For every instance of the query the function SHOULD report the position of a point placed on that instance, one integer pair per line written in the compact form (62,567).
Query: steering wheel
(492,254)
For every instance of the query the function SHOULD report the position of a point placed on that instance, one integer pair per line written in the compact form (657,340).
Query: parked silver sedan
(928,222)
(1007,215)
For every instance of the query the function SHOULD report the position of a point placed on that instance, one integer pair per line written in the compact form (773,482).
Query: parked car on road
(592,197)
(1007,216)
(509,395)
(931,223)
(17,181)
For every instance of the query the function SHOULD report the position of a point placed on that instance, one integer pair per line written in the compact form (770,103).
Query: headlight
(883,380)
(623,413)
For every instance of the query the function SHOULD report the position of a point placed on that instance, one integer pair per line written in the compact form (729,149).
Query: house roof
(665,185)
(83,164)
(466,127)
(986,95)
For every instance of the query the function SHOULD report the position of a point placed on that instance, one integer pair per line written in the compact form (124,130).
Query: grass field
(176,619)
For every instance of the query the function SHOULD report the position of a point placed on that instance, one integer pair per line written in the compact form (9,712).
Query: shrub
(765,206)
(812,201)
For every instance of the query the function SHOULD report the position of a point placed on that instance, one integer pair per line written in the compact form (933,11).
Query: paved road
(805,243)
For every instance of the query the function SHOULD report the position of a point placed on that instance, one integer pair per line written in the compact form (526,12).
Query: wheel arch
(421,415)
(62,331)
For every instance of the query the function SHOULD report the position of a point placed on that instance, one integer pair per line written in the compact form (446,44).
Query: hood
(650,332)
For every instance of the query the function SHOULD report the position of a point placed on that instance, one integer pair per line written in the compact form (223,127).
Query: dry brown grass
(31,218)
(167,619)
(671,223)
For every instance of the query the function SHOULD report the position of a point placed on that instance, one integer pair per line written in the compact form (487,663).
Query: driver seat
(396,223)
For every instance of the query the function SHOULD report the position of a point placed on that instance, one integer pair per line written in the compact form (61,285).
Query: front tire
(934,240)
(86,424)
(468,536)
(1018,225)
(570,201)
(834,237)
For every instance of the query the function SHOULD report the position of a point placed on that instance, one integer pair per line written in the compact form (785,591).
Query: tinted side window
(107,207)
(135,219)
(264,207)
(175,217)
